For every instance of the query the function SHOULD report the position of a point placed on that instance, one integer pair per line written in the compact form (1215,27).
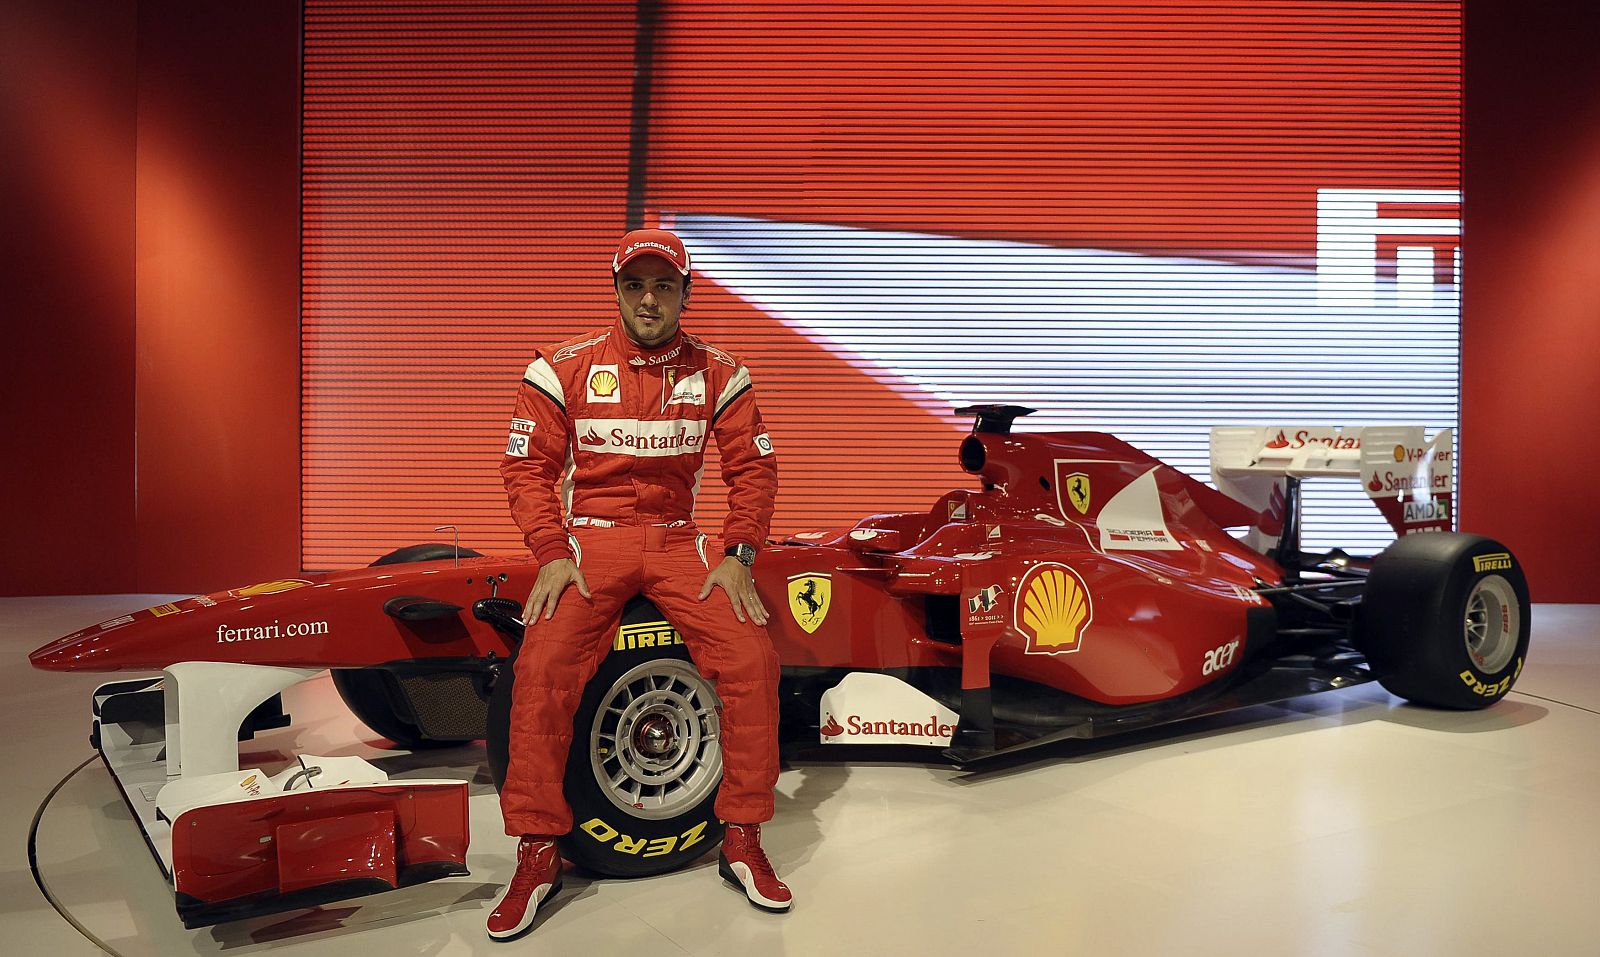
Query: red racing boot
(745,866)
(538,876)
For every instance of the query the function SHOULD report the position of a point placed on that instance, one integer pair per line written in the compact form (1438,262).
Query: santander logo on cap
(651,242)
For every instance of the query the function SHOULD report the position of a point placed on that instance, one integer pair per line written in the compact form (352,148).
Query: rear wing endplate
(1408,476)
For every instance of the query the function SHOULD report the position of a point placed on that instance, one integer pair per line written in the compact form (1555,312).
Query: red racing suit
(602,465)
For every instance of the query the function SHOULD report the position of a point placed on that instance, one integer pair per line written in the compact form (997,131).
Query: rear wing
(1409,477)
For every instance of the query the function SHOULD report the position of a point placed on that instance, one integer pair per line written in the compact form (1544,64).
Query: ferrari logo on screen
(1076,488)
(1053,609)
(810,597)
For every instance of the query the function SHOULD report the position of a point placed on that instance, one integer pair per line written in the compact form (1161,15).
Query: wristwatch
(746,554)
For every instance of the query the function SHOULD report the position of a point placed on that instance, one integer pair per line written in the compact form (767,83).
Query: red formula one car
(1083,589)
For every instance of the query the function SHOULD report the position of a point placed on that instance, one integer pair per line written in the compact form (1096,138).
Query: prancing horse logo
(1077,489)
(810,598)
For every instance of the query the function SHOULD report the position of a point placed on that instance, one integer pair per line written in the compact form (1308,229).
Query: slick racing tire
(1445,619)
(375,697)
(372,693)
(646,760)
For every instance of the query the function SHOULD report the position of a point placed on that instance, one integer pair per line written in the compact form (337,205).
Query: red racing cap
(651,242)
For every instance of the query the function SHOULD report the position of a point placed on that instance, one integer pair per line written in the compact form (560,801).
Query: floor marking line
(33,859)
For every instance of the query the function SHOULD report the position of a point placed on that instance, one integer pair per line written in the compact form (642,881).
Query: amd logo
(1409,237)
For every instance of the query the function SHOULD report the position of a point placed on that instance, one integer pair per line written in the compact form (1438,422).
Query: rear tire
(372,693)
(645,765)
(1445,619)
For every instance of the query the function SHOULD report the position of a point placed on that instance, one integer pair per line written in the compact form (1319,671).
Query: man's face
(650,296)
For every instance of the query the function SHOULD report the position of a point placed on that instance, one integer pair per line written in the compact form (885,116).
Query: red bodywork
(1157,605)
(290,843)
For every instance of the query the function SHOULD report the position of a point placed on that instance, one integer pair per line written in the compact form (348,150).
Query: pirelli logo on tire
(1493,562)
(650,634)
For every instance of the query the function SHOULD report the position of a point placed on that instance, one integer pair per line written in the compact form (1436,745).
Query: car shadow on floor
(1334,709)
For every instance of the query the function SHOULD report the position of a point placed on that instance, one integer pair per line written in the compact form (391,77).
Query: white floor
(1347,823)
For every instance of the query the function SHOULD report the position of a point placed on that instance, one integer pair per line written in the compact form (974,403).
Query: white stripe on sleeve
(737,383)
(541,375)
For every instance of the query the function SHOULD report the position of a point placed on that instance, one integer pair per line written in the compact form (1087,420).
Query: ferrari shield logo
(810,597)
(1075,490)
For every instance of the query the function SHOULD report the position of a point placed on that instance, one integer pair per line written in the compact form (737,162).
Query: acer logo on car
(1220,658)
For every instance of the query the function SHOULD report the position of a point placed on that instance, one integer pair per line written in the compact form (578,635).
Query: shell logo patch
(270,588)
(603,384)
(810,599)
(1053,609)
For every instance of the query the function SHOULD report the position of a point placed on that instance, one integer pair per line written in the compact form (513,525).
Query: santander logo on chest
(640,437)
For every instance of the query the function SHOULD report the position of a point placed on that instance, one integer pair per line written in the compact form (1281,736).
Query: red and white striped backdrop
(1107,210)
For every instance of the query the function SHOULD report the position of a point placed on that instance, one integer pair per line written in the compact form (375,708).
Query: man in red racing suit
(602,465)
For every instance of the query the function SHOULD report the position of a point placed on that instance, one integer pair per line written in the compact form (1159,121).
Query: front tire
(373,694)
(1445,619)
(645,765)
(426,552)
(375,697)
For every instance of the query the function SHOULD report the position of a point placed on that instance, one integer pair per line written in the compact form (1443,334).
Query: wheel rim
(654,746)
(1493,623)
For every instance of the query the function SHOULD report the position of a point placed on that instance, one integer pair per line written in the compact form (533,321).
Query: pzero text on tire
(646,760)
(1445,619)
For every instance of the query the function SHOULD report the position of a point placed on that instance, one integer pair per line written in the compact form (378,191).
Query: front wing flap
(238,844)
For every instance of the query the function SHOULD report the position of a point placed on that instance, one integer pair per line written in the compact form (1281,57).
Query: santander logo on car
(856,726)
(1306,437)
(870,708)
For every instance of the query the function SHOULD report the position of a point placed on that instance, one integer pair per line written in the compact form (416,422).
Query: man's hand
(732,577)
(547,588)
